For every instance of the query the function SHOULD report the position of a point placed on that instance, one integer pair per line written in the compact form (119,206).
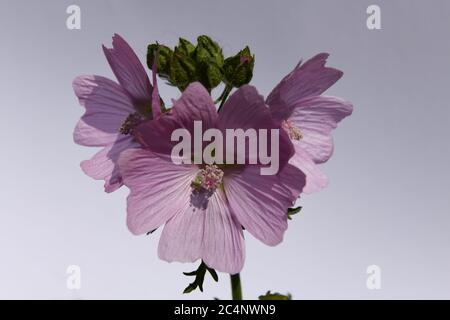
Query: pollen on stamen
(204,185)
(293,132)
(209,178)
(130,123)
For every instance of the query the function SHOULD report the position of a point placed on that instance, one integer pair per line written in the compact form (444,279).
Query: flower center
(204,185)
(130,123)
(209,178)
(293,132)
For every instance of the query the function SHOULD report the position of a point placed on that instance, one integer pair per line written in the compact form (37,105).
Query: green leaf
(275,296)
(199,277)
(293,211)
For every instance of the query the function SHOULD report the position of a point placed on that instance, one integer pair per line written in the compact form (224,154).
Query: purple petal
(316,117)
(211,235)
(260,203)
(87,135)
(107,107)
(195,104)
(128,69)
(159,189)
(156,102)
(309,79)
(103,165)
(316,180)
(245,109)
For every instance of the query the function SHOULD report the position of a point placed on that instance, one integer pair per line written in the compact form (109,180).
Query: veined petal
(316,180)
(103,165)
(156,102)
(128,70)
(212,235)
(245,109)
(195,104)
(107,106)
(309,79)
(87,135)
(260,202)
(223,240)
(159,189)
(316,117)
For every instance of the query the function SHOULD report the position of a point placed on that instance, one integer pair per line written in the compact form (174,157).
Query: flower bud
(208,51)
(183,69)
(210,75)
(238,70)
(209,58)
(185,47)
(164,58)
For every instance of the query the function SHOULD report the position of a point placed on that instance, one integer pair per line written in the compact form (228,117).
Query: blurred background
(388,200)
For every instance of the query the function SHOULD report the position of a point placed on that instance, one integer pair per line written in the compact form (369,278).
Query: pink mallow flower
(308,118)
(205,207)
(112,111)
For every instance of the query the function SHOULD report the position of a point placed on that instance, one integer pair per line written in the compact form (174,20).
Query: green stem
(236,291)
(221,95)
(224,96)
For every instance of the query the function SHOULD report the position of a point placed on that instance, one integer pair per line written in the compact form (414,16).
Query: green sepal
(293,211)
(199,277)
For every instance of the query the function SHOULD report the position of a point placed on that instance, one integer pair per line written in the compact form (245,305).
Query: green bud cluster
(204,62)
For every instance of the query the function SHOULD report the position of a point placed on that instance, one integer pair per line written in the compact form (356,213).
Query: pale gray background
(388,201)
